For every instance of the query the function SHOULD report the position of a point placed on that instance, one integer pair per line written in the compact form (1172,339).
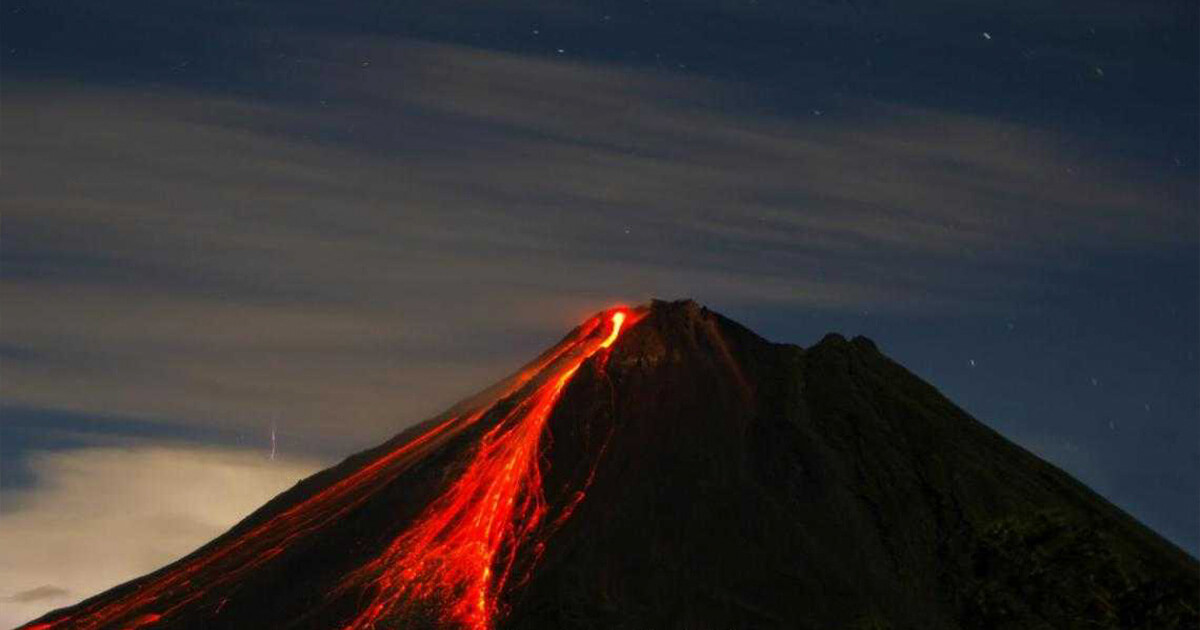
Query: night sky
(243,239)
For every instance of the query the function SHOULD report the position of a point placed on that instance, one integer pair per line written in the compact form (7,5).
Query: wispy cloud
(320,257)
(36,594)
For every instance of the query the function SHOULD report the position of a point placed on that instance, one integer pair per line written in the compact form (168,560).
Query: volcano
(665,467)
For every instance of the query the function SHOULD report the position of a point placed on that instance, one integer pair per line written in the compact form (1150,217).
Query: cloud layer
(102,515)
(317,259)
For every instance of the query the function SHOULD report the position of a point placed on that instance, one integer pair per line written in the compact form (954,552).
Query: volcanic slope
(664,467)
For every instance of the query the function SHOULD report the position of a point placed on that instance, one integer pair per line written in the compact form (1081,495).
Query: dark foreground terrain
(680,472)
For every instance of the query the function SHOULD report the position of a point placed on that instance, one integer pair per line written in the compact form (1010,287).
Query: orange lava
(459,552)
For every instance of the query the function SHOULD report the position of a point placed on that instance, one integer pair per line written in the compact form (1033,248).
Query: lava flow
(460,551)
(459,554)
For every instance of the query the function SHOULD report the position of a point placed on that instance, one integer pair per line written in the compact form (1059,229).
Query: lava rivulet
(456,556)
(459,554)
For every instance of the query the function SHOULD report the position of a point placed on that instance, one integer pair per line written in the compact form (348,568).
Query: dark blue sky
(337,218)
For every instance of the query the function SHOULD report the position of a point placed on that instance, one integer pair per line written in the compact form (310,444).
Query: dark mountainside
(684,474)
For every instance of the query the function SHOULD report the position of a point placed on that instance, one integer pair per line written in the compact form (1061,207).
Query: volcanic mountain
(664,467)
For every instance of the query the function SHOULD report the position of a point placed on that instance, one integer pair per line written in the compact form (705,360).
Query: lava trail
(461,549)
(459,554)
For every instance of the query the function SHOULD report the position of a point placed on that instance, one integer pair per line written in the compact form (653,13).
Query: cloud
(381,241)
(36,594)
(99,516)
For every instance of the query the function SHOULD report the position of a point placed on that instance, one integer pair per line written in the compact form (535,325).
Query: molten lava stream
(153,601)
(458,555)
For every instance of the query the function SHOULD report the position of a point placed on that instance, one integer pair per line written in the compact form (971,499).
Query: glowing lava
(618,319)
(459,554)
(456,557)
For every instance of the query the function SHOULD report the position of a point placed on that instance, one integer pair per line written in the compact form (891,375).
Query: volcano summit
(664,467)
